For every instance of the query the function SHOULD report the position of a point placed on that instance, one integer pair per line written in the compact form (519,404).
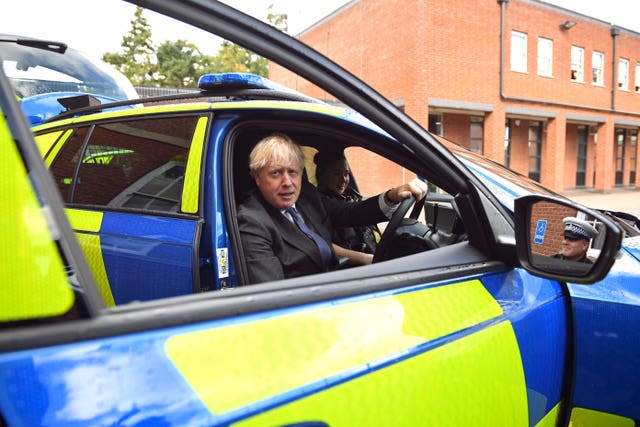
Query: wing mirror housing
(561,240)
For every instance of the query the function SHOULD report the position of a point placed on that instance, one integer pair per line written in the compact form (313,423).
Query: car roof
(223,91)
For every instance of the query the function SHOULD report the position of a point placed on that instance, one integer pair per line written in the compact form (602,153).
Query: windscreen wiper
(38,44)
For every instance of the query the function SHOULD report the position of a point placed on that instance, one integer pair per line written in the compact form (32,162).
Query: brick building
(551,93)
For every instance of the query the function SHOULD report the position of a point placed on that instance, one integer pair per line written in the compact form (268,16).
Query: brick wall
(555,228)
(413,51)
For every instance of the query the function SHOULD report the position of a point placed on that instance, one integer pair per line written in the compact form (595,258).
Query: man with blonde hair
(286,226)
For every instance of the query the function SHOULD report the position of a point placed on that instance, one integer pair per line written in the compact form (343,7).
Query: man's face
(573,249)
(280,184)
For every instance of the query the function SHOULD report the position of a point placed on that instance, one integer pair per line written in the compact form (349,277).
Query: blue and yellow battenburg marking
(436,354)
(191,188)
(87,227)
(582,417)
(33,276)
(318,363)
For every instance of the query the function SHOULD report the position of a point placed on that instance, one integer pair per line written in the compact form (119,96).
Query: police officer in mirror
(575,240)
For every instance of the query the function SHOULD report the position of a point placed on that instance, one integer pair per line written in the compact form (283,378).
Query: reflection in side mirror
(561,240)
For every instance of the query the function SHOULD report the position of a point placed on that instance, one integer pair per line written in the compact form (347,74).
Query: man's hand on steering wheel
(404,195)
(415,188)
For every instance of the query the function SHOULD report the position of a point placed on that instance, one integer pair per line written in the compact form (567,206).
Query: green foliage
(234,58)
(180,63)
(176,63)
(280,21)
(135,61)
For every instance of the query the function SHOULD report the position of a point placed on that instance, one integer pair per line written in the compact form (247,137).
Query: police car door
(132,190)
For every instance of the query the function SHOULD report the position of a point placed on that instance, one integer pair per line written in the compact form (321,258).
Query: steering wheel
(395,222)
(418,207)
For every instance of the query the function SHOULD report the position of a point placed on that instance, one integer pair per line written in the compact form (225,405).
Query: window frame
(476,125)
(623,64)
(597,79)
(577,64)
(518,55)
(534,150)
(90,141)
(545,57)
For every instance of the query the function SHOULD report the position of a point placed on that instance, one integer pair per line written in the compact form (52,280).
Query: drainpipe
(615,32)
(503,7)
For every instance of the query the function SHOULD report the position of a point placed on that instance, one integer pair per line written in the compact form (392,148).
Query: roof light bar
(212,82)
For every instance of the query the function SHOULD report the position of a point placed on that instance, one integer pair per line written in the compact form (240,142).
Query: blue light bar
(236,81)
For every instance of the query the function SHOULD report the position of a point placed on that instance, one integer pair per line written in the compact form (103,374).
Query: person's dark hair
(323,158)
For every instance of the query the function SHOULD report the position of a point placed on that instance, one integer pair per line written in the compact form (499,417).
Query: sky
(112,20)
(62,20)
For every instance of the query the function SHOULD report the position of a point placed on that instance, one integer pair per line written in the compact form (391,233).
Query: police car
(125,297)
(43,71)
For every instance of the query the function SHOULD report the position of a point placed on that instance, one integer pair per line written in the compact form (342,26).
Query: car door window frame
(192,160)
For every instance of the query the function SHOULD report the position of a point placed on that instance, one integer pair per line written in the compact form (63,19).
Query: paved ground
(622,199)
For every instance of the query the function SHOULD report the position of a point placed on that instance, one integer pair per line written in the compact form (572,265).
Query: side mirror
(547,246)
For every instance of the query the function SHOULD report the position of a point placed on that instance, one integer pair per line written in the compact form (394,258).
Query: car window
(33,72)
(136,164)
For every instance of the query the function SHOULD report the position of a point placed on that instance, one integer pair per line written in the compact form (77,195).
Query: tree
(278,20)
(136,61)
(234,58)
(179,64)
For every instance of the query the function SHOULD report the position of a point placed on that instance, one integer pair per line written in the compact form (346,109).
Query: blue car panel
(140,378)
(537,309)
(605,319)
(149,257)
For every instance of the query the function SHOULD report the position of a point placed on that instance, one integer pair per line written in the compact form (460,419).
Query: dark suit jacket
(275,248)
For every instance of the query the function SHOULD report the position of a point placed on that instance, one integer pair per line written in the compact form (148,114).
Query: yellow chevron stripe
(191,188)
(304,347)
(85,223)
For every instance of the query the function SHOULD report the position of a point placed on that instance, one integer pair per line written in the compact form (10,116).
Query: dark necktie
(325,250)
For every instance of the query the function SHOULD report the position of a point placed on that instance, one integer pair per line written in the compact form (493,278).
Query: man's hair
(275,148)
(322,159)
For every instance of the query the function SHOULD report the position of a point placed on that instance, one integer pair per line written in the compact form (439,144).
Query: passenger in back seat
(358,244)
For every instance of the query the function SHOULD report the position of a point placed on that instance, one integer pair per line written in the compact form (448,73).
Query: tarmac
(617,199)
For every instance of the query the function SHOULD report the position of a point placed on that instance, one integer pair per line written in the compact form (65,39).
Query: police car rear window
(136,164)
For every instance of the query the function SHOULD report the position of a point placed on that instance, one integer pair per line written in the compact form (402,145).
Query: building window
(545,57)
(621,136)
(507,143)
(535,149)
(581,167)
(637,85)
(597,68)
(518,51)
(577,64)
(633,137)
(623,74)
(475,134)
(435,124)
